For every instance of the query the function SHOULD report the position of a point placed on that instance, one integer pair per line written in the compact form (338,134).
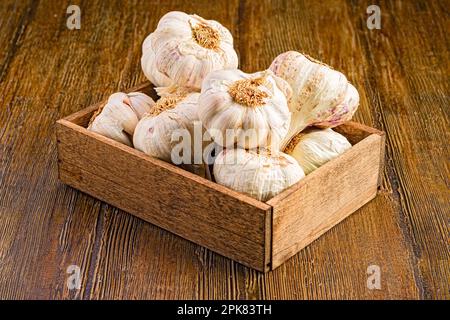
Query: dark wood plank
(45,226)
(407,78)
(15,20)
(48,71)
(325,31)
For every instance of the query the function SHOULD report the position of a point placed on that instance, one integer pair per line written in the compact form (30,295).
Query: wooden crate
(261,235)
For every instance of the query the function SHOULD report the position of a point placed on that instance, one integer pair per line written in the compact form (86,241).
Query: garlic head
(247,110)
(154,132)
(314,147)
(322,97)
(259,174)
(118,118)
(184,49)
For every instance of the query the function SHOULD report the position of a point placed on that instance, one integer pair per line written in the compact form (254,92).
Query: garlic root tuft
(246,110)
(205,36)
(247,93)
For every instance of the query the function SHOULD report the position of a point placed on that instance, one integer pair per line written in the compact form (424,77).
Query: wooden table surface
(48,71)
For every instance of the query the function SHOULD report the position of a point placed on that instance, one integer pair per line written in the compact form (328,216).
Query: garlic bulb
(321,96)
(184,49)
(247,110)
(261,175)
(315,147)
(175,113)
(118,118)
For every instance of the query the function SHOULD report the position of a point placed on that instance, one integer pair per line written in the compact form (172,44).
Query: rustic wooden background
(48,71)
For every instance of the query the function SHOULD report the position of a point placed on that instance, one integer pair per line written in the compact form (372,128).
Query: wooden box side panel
(356,132)
(196,209)
(325,197)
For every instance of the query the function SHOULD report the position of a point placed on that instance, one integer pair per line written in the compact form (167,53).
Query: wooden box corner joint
(261,235)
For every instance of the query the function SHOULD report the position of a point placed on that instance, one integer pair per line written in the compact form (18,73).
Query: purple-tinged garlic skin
(321,96)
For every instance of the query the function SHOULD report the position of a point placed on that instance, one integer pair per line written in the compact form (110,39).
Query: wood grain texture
(160,193)
(256,234)
(48,72)
(325,197)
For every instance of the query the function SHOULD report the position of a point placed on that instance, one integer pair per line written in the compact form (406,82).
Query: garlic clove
(149,65)
(261,175)
(184,49)
(140,103)
(314,147)
(321,96)
(151,136)
(247,110)
(120,115)
(283,86)
(118,108)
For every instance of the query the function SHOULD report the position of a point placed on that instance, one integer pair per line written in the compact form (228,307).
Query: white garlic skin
(259,175)
(316,147)
(219,111)
(153,134)
(119,116)
(322,97)
(171,55)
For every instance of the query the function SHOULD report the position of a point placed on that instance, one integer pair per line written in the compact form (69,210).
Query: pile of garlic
(248,115)
(257,126)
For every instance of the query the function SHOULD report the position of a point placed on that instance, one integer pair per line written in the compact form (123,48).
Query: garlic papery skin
(261,175)
(184,49)
(321,96)
(154,132)
(314,147)
(118,118)
(247,110)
